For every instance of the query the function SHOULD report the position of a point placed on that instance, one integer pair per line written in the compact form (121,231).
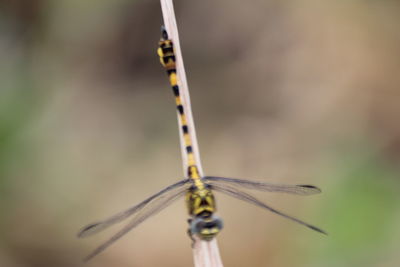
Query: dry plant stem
(205,253)
(172,30)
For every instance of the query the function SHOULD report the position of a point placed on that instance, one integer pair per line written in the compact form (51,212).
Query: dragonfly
(198,190)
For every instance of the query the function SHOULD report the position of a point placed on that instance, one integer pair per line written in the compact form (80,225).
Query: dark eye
(200,225)
(197,226)
(211,224)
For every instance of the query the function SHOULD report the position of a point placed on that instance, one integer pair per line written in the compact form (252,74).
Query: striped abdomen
(199,198)
(167,58)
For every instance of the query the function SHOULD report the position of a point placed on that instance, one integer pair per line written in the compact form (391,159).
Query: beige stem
(205,253)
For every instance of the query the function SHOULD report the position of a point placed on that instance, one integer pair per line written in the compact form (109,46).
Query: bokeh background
(282,91)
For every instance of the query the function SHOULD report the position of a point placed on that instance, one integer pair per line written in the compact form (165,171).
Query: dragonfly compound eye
(206,228)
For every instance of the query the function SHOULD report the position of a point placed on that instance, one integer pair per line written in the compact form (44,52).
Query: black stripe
(180,109)
(176,90)
(167,58)
(189,149)
(185,129)
(170,71)
(168,49)
(190,174)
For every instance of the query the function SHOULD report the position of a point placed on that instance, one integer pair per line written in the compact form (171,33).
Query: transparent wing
(236,193)
(152,208)
(96,227)
(141,212)
(262,186)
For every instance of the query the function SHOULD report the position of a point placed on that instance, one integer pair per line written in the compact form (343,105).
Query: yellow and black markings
(199,198)
(198,190)
(168,60)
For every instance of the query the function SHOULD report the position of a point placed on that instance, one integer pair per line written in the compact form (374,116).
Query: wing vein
(96,227)
(233,192)
(139,218)
(263,186)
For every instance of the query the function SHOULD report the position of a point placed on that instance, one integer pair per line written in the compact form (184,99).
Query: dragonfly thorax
(200,201)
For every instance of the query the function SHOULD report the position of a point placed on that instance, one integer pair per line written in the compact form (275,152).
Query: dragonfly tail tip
(164,33)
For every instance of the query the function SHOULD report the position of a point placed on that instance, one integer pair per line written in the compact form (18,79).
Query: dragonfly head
(206,228)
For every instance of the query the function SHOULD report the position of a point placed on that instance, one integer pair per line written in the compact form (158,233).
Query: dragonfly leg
(190,233)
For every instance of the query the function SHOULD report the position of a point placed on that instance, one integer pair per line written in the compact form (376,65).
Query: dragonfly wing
(262,186)
(96,227)
(149,210)
(233,192)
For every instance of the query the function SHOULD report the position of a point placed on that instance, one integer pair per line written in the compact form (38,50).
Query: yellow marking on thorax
(200,199)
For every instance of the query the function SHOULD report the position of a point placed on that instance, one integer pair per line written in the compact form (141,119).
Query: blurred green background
(282,91)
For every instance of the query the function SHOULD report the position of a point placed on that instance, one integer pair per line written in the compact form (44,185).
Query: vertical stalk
(205,253)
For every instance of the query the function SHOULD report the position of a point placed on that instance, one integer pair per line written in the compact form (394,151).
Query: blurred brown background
(282,91)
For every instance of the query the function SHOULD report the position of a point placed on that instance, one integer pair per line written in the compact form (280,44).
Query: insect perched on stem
(200,198)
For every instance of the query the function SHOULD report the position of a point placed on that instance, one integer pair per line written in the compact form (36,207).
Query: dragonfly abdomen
(168,60)
(199,198)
